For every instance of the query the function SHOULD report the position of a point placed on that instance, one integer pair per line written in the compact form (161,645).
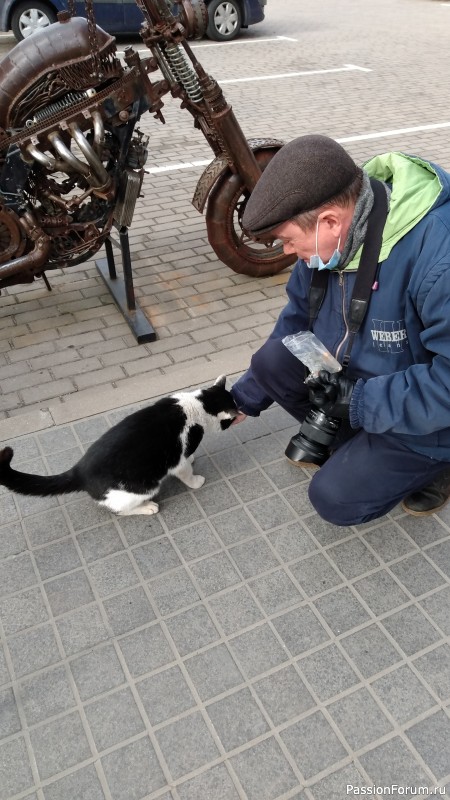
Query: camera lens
(312,443)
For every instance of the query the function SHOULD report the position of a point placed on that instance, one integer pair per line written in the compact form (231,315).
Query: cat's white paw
(191,458)
(197,481)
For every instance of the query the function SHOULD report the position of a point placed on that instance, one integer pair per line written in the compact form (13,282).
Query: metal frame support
(122,290)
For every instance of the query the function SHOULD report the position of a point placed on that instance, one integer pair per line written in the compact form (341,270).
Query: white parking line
(345,68)
(343,140)
(143,49)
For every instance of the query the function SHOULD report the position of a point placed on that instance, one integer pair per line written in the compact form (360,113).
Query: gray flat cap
(304,174)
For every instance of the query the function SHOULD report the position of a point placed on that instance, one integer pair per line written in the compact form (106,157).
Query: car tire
(31,16)
(224,20)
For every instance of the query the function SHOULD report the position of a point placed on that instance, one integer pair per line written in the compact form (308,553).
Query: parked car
(226,17)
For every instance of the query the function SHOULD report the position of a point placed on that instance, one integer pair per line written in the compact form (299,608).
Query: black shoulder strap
(367,269)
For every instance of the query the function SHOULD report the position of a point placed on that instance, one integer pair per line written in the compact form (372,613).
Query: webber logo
(388,335)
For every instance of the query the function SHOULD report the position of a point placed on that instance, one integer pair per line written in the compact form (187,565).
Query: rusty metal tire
(226,204)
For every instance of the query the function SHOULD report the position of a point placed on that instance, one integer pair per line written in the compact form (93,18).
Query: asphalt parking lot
(235,646)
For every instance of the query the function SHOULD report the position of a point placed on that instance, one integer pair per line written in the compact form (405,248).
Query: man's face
(303,243)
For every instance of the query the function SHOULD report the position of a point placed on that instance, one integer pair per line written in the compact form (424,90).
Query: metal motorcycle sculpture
(72,159)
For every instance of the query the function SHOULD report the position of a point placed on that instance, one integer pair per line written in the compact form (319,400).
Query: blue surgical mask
(315,262)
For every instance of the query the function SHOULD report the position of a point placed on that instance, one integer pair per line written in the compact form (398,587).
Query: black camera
(313,442)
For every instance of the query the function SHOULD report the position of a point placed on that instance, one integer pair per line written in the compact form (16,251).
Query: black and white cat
(123,470)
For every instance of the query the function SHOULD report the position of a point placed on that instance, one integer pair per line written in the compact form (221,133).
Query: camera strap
(367,270)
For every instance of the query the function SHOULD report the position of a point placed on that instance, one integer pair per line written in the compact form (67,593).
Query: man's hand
(239,418)
(331,393)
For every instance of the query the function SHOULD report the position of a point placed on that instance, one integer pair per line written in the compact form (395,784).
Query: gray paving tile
(237,719)
(215,442)
(335,786)
(313,744)
(12,540)
(205,466)
(216,782)
(411,630)
(54,559)
(291,542)
(257,650)
(68,592)
(404,696)
(423,530)
(352,558)
(300,630)
(179,511)
(277,419)
(8,509)
(9,719)
(253,557)
(234,526)
(56,439)
(155,558)
(133,771)
(85,513)
(434,668)
(325,532)
(33,650)
(298,497)
(97,672)
(233,461)
(216,497)
(16,574)
(215,573)
(82,629)
(165,695)
(341,610)
(327,672)
(315,574)
(61,462)
(15,771)
(99,542)
(195,541)
(140,529)
(235,610)
(284,474)
(46,527)
(270,512)
(173,592)
(251,485)
(393,763)
(113,574)
(114,718)
(264,449)
(427,737)
(264,771)
(46,694)
(275,591)
(22,610)
(90,429)
(380,592)
(192,630)
(146,650)
(25,447)
(359,719)
(5,677)
(440,554)
(34,505)
(59,744)
(370,650)
(389,542)
(213,672)
(283,695)
(417,574)
(82,784)
(186,745)
(128,610)
(437,606)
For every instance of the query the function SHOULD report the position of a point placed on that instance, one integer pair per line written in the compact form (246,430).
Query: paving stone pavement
(232,646)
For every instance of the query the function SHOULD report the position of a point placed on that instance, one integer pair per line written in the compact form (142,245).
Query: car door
(109,14)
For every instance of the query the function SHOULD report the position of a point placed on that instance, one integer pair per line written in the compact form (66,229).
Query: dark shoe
(429,499)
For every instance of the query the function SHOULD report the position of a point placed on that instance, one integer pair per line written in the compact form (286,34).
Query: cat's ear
(220,381)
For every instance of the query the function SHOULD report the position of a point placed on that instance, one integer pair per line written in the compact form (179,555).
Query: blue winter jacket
(402,350)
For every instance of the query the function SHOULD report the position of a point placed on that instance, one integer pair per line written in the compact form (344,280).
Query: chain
(93,41)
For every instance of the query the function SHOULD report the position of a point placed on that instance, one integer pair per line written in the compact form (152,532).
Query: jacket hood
(416,186)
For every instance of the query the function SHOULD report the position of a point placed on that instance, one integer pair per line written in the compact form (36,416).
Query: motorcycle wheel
(224,212)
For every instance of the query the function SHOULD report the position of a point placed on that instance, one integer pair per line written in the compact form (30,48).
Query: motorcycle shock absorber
(69,99)
(182,71)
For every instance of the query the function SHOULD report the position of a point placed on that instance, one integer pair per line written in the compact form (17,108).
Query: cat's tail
(39,485)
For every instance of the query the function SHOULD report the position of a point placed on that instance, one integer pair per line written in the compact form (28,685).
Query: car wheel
(224,20)
(29,17)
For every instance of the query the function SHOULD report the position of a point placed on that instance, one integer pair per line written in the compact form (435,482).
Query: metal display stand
(122,290)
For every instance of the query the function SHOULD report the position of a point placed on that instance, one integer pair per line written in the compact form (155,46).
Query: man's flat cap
(304,174)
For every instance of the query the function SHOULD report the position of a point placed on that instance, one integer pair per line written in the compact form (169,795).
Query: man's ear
(331,218)
(220,381)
